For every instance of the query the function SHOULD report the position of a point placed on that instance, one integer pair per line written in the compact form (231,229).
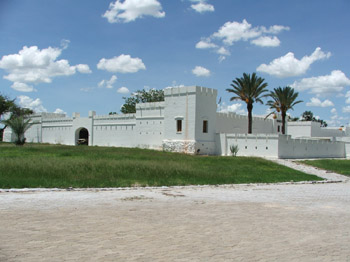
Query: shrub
(234,150)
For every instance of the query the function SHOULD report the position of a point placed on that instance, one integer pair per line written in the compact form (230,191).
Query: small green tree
(234,150)
(141,96)
(19,126)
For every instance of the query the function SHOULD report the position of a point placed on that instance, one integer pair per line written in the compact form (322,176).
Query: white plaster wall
(150,125)
(312,129)
(114,130)
(248,145)
(233,123)
(308,148)
(205,110)
(8,136)
(180,103)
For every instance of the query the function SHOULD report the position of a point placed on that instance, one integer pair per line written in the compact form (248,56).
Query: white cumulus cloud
(82,68)
(235,108)
(121,64)
(266,41)
(32,66)
(130,10)
(346,109)
(202,6)
(205,44)
(35,104)
(314,101)
(234,31)
(123,90)
(108,83)
(201,71)
(59,111)
(288,65)
(328,84)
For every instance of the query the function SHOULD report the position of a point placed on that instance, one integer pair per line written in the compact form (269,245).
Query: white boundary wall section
(308,148)
(233,123)
(248,145)
(279,146)
(313,129)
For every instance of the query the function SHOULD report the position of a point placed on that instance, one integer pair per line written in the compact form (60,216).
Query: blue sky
(76,56)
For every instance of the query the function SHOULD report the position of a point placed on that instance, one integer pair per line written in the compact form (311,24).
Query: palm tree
(283,99)
(249,89)
(19,126)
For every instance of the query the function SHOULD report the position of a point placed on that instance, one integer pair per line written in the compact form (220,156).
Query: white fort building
(187,121)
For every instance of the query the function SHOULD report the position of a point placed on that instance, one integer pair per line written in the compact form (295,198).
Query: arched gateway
(82,136)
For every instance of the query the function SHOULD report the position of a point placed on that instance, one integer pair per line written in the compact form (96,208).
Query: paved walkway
(282,222)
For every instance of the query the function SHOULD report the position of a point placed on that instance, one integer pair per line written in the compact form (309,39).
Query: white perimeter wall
(279,146)
(312,129)
(234,123)
(248,145)
(307,148)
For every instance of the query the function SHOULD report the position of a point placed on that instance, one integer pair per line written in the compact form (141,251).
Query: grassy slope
(340,166)
(82,166)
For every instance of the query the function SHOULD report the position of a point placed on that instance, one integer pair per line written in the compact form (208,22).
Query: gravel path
(270,222)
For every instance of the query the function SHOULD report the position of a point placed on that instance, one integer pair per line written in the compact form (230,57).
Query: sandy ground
(275,222)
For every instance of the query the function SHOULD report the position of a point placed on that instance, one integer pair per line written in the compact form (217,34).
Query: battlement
(150,106)
(199,90)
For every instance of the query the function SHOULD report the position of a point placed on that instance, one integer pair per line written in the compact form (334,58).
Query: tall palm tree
(19,126)
(249,89)
(283,99)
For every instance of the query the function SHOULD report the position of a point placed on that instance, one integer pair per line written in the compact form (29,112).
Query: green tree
(8,106)
(249,89)
(141,96)
(283,99)
(19,126)
(309,116)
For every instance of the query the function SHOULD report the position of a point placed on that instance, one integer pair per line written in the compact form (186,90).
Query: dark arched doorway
(83,137)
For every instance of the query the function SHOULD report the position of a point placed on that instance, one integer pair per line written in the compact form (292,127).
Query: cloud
(123,90)
(266,41)
(121,64)
(108,83)
(32,66)
(275,29)
(347,95)
(130,10)
(27,102)
(314,101)
(288,65)
(328,84)
(334,111)
(205,44)
(235,108)
(84,69)
(202,6)
(200,71)
(232,32)
(346,109)
(59,111)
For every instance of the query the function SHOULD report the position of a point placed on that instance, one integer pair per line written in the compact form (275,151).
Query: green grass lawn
(340,166)
(48,166)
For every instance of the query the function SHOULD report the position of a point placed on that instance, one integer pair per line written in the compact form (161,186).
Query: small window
(179,125)
(278,129)
(205,126)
